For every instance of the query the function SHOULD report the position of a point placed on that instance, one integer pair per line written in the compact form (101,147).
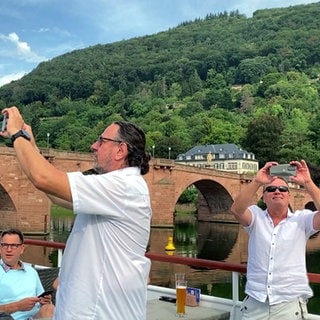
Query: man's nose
(94,146)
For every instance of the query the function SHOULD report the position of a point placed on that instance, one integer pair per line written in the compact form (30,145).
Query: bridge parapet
(23,206)
(162,163)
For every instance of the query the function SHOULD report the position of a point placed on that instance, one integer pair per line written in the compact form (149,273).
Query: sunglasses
(274,188)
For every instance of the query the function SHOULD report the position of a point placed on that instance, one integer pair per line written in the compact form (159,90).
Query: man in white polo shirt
(104,270)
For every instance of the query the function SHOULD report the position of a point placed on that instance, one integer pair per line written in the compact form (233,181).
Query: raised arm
(43,175)
(243,200)
(303,178)
(60,202)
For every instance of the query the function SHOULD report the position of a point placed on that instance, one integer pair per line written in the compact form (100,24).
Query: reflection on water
(61,228)
(213,241)
(216,240)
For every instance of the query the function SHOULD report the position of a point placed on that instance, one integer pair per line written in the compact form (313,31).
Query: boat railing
(49,244)
(235,268)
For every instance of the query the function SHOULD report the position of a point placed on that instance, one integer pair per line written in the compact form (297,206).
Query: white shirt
(276,265)
(104,270)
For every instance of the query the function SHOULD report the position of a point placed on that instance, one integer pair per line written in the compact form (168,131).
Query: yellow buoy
(170,245)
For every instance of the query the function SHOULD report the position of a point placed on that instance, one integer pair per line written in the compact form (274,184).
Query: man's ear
(22,248)
(122,151)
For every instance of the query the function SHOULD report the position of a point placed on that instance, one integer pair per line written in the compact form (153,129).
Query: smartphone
(168,299)
(46,293)
(283,170)
(4,123)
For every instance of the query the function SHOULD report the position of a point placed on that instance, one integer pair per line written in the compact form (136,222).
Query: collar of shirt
(6,268)
(289,214)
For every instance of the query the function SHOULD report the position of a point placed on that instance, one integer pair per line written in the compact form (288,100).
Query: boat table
(162,310)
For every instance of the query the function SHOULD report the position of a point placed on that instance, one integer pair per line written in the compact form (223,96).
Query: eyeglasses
(103,139)
(274,188)
(11,245)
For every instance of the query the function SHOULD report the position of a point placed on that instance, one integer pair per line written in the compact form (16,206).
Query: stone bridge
(217,189)
(23,206)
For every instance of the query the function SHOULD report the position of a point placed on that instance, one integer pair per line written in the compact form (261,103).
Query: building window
(232,166)
(218,165)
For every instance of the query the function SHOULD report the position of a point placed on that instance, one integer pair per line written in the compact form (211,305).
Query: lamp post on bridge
(169,150)
(153,147)
(48,139)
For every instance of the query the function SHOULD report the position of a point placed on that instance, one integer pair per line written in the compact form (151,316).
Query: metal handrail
(194,262)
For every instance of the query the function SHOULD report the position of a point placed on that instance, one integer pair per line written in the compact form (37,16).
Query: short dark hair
(13,231)
(280,178)
(135,139)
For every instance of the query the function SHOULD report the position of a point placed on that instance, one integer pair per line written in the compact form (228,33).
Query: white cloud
(11,77)
(22,49)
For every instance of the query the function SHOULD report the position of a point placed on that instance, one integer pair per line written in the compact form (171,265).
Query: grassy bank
(57,211)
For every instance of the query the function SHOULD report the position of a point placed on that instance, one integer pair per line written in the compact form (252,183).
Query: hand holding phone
(283,170)
(46,293)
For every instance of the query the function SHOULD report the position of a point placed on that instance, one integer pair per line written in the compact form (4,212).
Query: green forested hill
(221,79)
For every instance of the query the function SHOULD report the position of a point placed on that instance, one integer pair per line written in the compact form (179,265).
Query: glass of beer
(179,276)
(181,294)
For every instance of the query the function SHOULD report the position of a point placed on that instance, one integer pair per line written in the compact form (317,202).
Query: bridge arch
(214,200)
(6,203)
(7,207)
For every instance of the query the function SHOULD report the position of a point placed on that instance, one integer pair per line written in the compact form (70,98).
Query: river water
(213,241)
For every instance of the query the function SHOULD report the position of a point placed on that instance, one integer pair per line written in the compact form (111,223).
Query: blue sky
(32,31)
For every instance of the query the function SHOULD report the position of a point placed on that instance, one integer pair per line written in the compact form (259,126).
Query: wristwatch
(20,133)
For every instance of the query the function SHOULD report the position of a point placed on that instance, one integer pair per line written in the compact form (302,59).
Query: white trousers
(252,309)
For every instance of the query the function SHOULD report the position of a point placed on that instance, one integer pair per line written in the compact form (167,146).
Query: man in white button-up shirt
(277,283)
(104,270)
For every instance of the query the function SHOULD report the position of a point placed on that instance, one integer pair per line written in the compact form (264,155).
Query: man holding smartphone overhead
(104,270)
(277,282)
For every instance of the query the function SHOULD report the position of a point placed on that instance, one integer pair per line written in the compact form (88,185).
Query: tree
(252,70)
(263,138)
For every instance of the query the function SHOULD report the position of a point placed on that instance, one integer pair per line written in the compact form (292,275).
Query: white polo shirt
(277,256)
(104,270)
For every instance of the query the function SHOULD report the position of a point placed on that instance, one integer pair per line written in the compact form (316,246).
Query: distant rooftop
(229,149)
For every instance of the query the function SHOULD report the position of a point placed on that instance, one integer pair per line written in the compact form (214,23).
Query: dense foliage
(225,78)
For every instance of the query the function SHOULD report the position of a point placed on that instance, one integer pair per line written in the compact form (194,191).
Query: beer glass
(181,294)
(179,276)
